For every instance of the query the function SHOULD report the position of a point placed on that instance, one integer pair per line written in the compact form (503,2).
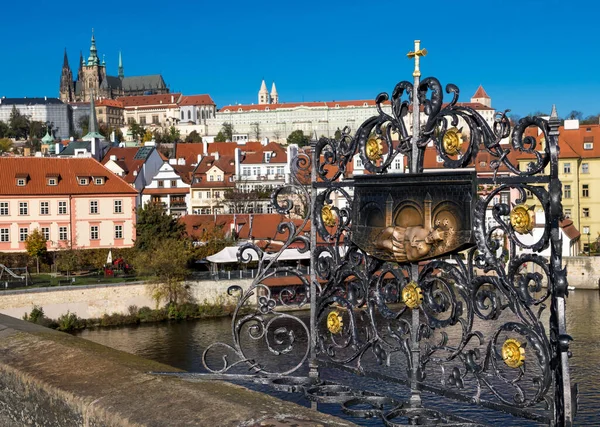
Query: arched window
(202,114)
(189,115)
(182,115)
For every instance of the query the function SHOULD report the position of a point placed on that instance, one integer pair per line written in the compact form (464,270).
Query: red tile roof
(480,93)
(150,100)
(572,142)
(109,103)
(225,163)
(278,154)
(196,100)
(125,160)
(68,168)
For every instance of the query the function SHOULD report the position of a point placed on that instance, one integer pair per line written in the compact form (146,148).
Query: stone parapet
(49,378)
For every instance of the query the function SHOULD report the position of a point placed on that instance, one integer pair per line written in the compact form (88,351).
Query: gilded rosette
(513,353)
(328,216)
(334,322)
(374,149)
(412,295)
(521,219)
(452,141)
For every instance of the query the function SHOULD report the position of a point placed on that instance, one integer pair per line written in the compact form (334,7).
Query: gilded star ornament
(513,353)
(334,322)
(412,295)
(522,218)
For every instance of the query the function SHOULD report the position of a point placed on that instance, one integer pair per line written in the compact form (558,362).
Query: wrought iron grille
(432,280)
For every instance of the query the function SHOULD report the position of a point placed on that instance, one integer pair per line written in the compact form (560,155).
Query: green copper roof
(93,58)
(47,139)
(93,131)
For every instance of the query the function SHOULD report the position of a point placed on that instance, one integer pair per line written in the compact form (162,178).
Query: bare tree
(255,131)
(277,134)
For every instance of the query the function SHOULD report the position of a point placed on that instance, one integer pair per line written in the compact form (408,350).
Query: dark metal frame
(482,296)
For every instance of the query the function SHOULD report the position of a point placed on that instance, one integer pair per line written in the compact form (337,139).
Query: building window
(585,168)
(23,208)
(504,198)
(21,182)
(44,208)
(52,181)
(567,212)
(45,232)
(3,208)
(118,231)
(118,206)
(567,168)
(4,235)
(174,184)
(83,181)
(588,146)
(567,191)
(62,233)
(585,190)
(586,212)
(93,206)
(94,232)
(155,120)
(161,183)
(142,120)
(211,178)
(279,170)
(398,164)
(269,208)
(586,229)
(23,232)
(99,181)
(189,115)
(217,194)
(586,247)
(246,171)
(62,208)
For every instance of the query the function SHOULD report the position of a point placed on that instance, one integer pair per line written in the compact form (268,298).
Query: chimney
(172,99)
(199,159)
(204,148)
(172,161)
(217,155)
(113,157)
(237,157)
(181,161)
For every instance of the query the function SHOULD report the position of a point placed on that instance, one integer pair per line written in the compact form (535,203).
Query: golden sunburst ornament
(452,141)
(374,149)
(522,218)
(334,322)
(328,216)
(513,353)
(412,295)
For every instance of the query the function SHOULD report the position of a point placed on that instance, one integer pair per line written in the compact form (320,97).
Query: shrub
(69,322)
(37,313)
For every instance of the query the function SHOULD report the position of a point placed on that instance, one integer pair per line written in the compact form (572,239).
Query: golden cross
(417,54)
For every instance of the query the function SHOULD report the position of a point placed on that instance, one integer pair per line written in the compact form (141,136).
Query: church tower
(121,70)
(67,86)
(93,73)
(482,97)
(274,95)
(263,94)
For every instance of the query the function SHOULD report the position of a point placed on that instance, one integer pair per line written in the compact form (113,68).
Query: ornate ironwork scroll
(432,280)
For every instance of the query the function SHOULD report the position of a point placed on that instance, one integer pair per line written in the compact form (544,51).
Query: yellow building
(579,171)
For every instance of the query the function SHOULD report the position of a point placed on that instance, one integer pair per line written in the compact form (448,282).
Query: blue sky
(527,54)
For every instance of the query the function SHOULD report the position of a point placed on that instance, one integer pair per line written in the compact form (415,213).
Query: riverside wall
(96,300)
(52,379)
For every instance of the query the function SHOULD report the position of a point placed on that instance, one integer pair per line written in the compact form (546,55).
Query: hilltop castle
(92,79)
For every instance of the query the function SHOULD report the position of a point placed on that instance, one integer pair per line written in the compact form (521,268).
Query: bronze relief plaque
(412,217)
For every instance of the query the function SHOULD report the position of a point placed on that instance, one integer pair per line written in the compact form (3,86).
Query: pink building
(70,200)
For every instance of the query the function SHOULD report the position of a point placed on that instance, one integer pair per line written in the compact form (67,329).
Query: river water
(180,344)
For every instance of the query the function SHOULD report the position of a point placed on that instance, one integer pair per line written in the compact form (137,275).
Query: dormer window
(83,180)
(99,180)
(22,179)
(52,181)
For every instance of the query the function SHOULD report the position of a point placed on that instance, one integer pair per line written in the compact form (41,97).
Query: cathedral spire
(274,95)
(121,71)
(93,126)
(93,58)
(263,94)
(65,60)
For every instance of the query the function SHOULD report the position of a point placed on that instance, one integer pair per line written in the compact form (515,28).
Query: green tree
(298,137)
(193,136)
(6,145)
(593,119)
(68,258)
(154,225)
(227,129)
(4,130)
(36,246)
(37,129)
(148,136)
(220,137)
(174,134)
(167,260)
(136,129)
(18,124)
(84,124)
(211,241)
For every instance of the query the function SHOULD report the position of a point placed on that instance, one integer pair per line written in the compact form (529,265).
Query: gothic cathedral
(92,80)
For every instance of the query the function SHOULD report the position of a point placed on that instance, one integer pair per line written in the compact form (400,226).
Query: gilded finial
(417,53)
